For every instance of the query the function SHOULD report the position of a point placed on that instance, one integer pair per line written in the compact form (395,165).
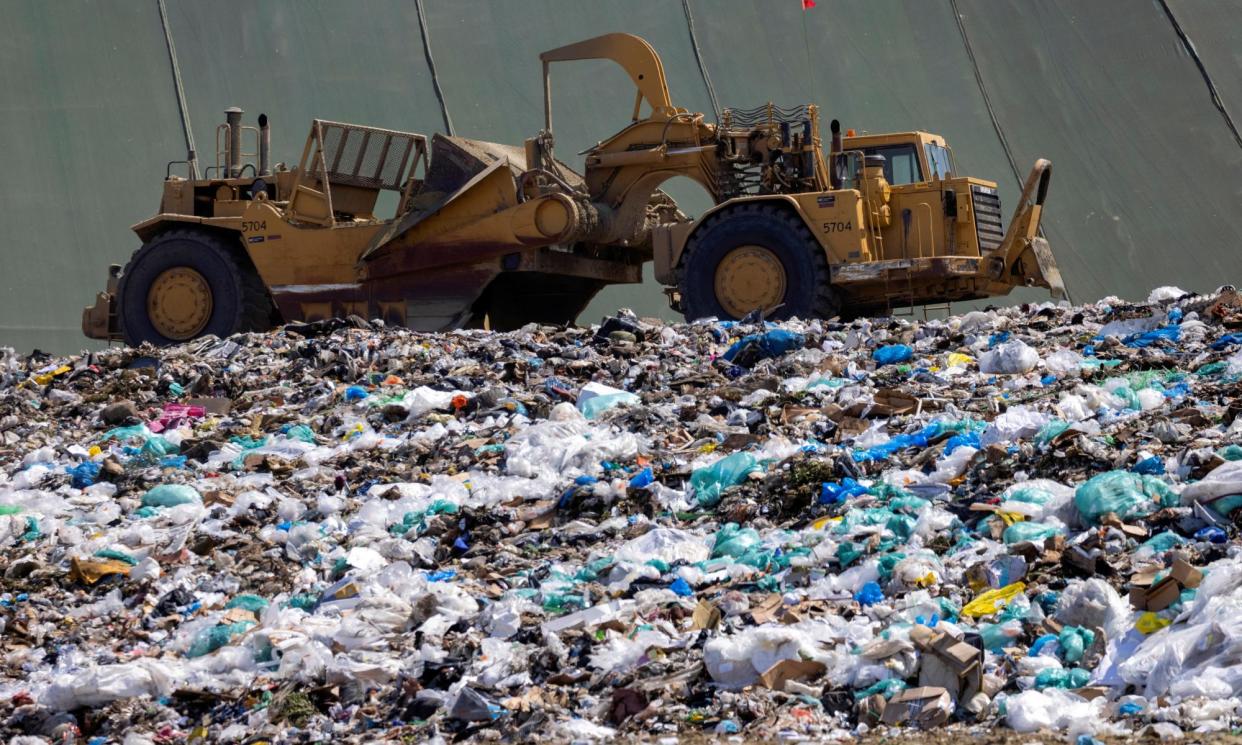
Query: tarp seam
(182,107)
(698,56)
(1203,71)
(431,65)
(983,91)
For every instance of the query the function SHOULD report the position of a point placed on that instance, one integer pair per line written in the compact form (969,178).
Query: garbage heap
(1024,516)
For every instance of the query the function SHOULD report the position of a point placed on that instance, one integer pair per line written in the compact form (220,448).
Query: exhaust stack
(232,117)
(834,151)
(265,146)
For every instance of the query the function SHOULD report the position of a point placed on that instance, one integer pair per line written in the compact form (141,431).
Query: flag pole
(806,43)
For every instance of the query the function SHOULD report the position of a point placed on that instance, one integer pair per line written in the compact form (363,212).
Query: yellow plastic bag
(1150,623)
(993,600)
(957,359)
(48,377)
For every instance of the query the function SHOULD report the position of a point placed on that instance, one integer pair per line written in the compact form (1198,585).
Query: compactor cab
(895,226)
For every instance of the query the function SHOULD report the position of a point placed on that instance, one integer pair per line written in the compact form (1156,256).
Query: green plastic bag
(1074,641)
(1050,430)
(1029,494)
(708,483)
(209,640)
(1230,452)
(1162,542)
(170,495)
(1061,678)
(1028,531)
(252,603)
(112,553)
(302,433)
(887,688)
(734,541)
(1130,495)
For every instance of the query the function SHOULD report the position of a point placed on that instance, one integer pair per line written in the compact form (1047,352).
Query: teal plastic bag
(708,483)
(1162,542)
(734,541)
(596,405)
(1062,678)
(252,603)
(209,640)
(1130,495)
(301,433)
(1074,641)
(170,495)
(1028,531)
(1029,494)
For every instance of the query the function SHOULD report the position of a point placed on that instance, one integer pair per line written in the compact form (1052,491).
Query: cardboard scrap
(778,675)
(924,707)
(768,610)
(1148,594)
(706,616)
(948,663)
(239,615)
(216,496)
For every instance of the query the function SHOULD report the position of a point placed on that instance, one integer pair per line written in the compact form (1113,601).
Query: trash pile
(1025,516)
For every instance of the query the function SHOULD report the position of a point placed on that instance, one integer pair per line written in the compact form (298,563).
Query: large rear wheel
(186,283)
(756,256)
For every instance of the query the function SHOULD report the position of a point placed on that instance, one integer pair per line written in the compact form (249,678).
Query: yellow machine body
(379,223)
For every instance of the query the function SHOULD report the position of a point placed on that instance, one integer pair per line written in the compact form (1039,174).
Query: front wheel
(756,257)
(187,283)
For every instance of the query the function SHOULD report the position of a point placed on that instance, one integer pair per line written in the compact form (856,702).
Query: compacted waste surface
(1020,518)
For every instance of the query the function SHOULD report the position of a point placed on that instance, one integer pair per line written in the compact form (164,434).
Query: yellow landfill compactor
(479,230)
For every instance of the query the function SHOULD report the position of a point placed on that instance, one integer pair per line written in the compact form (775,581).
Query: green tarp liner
(1146,178)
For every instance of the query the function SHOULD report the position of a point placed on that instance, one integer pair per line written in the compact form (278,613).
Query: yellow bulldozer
(487,233)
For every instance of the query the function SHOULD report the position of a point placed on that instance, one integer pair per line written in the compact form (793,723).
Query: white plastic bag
(1010,358)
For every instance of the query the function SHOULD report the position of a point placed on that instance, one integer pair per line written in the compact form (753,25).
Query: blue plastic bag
(681,588)
(642,479)
(769,344)
(834,493)
(84,474)
(892,354)
(900,442)
(1155,336)
(1153,466)
(869,594)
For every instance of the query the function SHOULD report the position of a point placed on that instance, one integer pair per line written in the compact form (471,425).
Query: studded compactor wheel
(186,283)
(756,257)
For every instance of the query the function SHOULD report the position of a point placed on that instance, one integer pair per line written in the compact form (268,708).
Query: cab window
(939,160)
(901,163)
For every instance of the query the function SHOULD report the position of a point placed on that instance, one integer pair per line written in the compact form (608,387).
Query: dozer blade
(1048,269)
(469,184)
(1024,257)
(458,166)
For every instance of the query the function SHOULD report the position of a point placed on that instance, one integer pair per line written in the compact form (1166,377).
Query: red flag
(808,4)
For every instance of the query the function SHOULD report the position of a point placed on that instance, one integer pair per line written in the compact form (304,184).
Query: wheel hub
(749,277)
(179,303)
